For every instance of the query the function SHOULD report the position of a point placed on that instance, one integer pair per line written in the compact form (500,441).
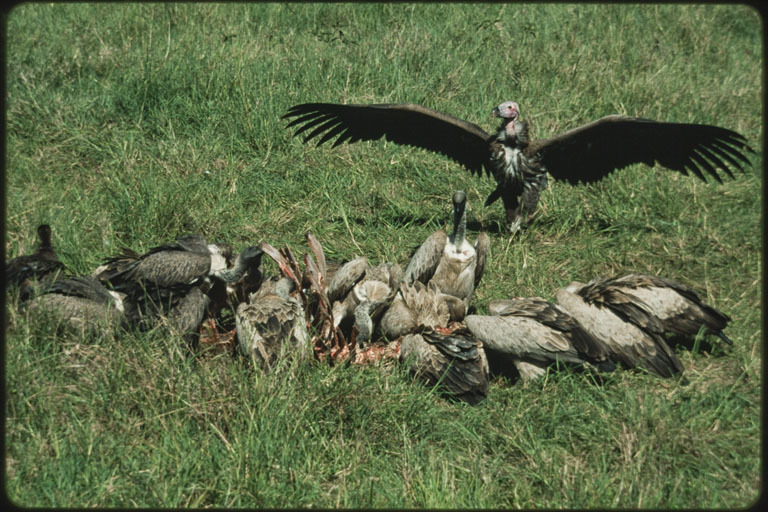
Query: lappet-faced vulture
(520,166)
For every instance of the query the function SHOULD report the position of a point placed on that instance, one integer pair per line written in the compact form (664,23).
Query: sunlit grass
(132,124)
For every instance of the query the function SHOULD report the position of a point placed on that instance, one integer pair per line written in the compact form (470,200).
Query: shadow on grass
(714,347)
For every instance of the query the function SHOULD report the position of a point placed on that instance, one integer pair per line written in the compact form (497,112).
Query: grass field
(132,124)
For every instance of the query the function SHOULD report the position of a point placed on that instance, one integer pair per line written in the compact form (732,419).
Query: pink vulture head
(508,110)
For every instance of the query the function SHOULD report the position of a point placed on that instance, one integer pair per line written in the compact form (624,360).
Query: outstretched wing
(590,152)
(407,124)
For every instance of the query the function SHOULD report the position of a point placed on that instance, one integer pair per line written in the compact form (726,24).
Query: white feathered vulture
(450,261)
(633,334)
(678,307)
(520,166)
(533,333)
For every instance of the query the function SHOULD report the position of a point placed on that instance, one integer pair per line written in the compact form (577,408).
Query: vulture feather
(533,333)
(271,325)
(677,307)
(450,261)
(417,307)
(357,284)
(455,362)
(633,334)
(41,266)
(584,154)
(83,304)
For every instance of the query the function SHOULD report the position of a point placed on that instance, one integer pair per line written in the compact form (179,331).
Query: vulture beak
(495,112)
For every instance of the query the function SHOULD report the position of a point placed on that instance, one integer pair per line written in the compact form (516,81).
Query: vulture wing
(84,287)
(590,152)
(427,257)
(407,124)
(346,278)
(482,248)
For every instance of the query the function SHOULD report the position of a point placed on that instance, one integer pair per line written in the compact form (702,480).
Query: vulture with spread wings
(520,166)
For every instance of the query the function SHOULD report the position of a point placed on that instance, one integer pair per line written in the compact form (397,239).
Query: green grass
(116,111)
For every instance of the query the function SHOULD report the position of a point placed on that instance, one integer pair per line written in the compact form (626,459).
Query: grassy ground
(133,124)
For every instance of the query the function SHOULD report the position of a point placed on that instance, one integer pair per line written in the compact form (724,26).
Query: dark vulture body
(180,262)
(180,282)
(520,166)
(41,266)
(454,361)
(82,304)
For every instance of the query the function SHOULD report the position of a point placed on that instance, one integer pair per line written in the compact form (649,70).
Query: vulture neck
(238,271)
(513,132)
(44,234)
(459,225)
(363,321)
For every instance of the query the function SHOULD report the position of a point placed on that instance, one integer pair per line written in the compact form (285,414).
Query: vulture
(677,306)
(451,262)
(453,361)
(416,307)
(83,304)
(180,281)
(533,333)
(181,308)
(272,324)
(180,262)
(41,266)
(519,165)
(355,283)
(633,334)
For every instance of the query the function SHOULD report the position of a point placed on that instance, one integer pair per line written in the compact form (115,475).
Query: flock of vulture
(422,315)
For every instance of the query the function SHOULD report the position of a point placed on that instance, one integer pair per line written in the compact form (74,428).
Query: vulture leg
(513,208)
(520,202)
(531,192)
